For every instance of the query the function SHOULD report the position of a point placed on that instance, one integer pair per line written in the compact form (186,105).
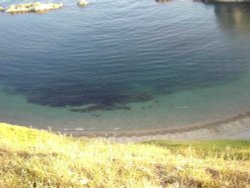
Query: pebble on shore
(33,7)
(82,3)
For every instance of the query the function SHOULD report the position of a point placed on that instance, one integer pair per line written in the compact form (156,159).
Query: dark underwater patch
(94,108)
(99,100)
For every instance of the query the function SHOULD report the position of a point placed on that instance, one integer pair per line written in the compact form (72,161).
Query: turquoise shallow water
(125,65)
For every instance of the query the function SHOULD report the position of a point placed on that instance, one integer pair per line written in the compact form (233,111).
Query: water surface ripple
(122,60)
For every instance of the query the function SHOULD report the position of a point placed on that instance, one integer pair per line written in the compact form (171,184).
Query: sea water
(125,65)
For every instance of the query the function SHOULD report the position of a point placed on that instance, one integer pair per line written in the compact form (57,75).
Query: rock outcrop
(33,7)
(2,9)
(82,3)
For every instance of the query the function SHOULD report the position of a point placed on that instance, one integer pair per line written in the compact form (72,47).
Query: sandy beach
(236,127)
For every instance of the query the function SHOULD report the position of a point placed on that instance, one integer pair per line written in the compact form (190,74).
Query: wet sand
(235,127)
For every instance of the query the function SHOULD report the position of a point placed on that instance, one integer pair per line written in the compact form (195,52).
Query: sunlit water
(125,65)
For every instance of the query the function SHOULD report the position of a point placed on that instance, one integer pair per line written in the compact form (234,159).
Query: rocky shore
(36,7)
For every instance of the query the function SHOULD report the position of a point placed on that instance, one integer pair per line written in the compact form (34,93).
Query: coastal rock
(162,1)
(1,9)
(82,3)
(33,7)
(224,1)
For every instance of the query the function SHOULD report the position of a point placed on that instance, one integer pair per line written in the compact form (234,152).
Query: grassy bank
(31,158)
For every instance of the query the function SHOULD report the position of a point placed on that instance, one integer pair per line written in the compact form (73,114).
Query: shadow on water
(233,16)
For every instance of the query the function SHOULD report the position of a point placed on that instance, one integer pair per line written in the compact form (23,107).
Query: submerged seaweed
(94,108)
(102,100)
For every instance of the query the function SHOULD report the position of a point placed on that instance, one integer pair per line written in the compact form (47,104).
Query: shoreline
(235,127)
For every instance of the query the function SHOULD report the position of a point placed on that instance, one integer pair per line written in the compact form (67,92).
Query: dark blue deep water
(114,54)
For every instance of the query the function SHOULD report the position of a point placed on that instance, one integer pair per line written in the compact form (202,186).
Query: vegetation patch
(32,158)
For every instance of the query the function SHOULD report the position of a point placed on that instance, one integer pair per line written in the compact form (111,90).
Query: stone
(33,7)
(2,9)
(82,3)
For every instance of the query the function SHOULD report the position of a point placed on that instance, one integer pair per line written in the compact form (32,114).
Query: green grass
(32,158)
(227,149)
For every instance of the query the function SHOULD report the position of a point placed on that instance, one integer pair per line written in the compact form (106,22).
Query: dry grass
(32,158)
